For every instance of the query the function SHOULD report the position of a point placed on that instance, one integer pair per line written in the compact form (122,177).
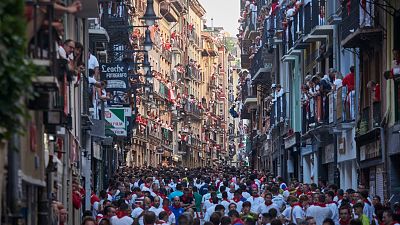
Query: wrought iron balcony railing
(278,110)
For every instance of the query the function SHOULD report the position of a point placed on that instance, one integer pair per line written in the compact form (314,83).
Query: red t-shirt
(348,81)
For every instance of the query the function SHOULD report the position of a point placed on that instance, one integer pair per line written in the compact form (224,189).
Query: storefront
(347,159)
(393,168)
(292,151)
(369,155)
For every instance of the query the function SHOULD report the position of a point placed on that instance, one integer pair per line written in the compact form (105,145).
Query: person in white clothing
(319,211)
(255,201)
(332,206)
(122,217)
(225,202)
(156,208)
(93,64)
(294,213)
(268,204)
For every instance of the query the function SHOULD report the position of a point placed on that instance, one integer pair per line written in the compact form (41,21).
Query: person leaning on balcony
(375,90)
(349,80)
(93,64)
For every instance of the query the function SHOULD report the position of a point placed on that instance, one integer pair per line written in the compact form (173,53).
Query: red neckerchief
(211,201)
(166,209)
(344,222)
(238,220)
(121,214)
(299,192)
(320,204)
(225,199)
(297,204)
(268,204)
(236,199)
(394,222)
(256,196)
(147,185)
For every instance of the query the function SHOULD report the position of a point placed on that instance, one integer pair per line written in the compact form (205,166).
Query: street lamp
(148,44)
(146,63)
(149,16)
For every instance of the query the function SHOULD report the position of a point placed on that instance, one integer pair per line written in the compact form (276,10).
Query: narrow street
(203,112)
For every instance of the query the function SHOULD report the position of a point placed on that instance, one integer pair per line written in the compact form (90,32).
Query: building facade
(343,134)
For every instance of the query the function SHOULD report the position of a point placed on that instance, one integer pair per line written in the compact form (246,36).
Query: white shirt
(207,204)
(335,212)
(209,212)
(137,214)
(93,63)
(226,205)
(297,213)
(156,210)
(263,208)
(319,213)
(255,203)
(278,200)
(126,220)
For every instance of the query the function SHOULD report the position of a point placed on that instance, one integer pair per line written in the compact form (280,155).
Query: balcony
(180,5)
(193,110)
(168,12)
(194,39)
(167,55)
(160,90)
(154,130)
(278,110)
(344,105)
(249,93)
(213,84)
(193,72)
(261,67)
(167,138)
(318,29)
(359,33)
(177,45)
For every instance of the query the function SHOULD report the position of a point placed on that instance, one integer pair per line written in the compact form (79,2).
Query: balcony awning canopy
(314,38)
(322,30)
(292,55)
(99,35)
(362,37)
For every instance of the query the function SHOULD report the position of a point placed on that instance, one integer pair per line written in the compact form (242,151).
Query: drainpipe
(14,184)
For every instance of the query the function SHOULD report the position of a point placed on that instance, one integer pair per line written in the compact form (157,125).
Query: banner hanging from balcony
(117,120)
(116,75)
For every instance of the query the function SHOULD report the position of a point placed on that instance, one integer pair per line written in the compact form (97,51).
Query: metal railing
(350,18)
(167,137)
(278,110)
(336,107)
(193,109)
(248,90)
(154,129)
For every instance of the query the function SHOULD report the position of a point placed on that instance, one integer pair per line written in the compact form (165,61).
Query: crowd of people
(237,196)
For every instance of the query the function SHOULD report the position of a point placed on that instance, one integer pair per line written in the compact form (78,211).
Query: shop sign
(306,150)
(117,120)
(329,155)
(116,75)
(291,141)
(370,151)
